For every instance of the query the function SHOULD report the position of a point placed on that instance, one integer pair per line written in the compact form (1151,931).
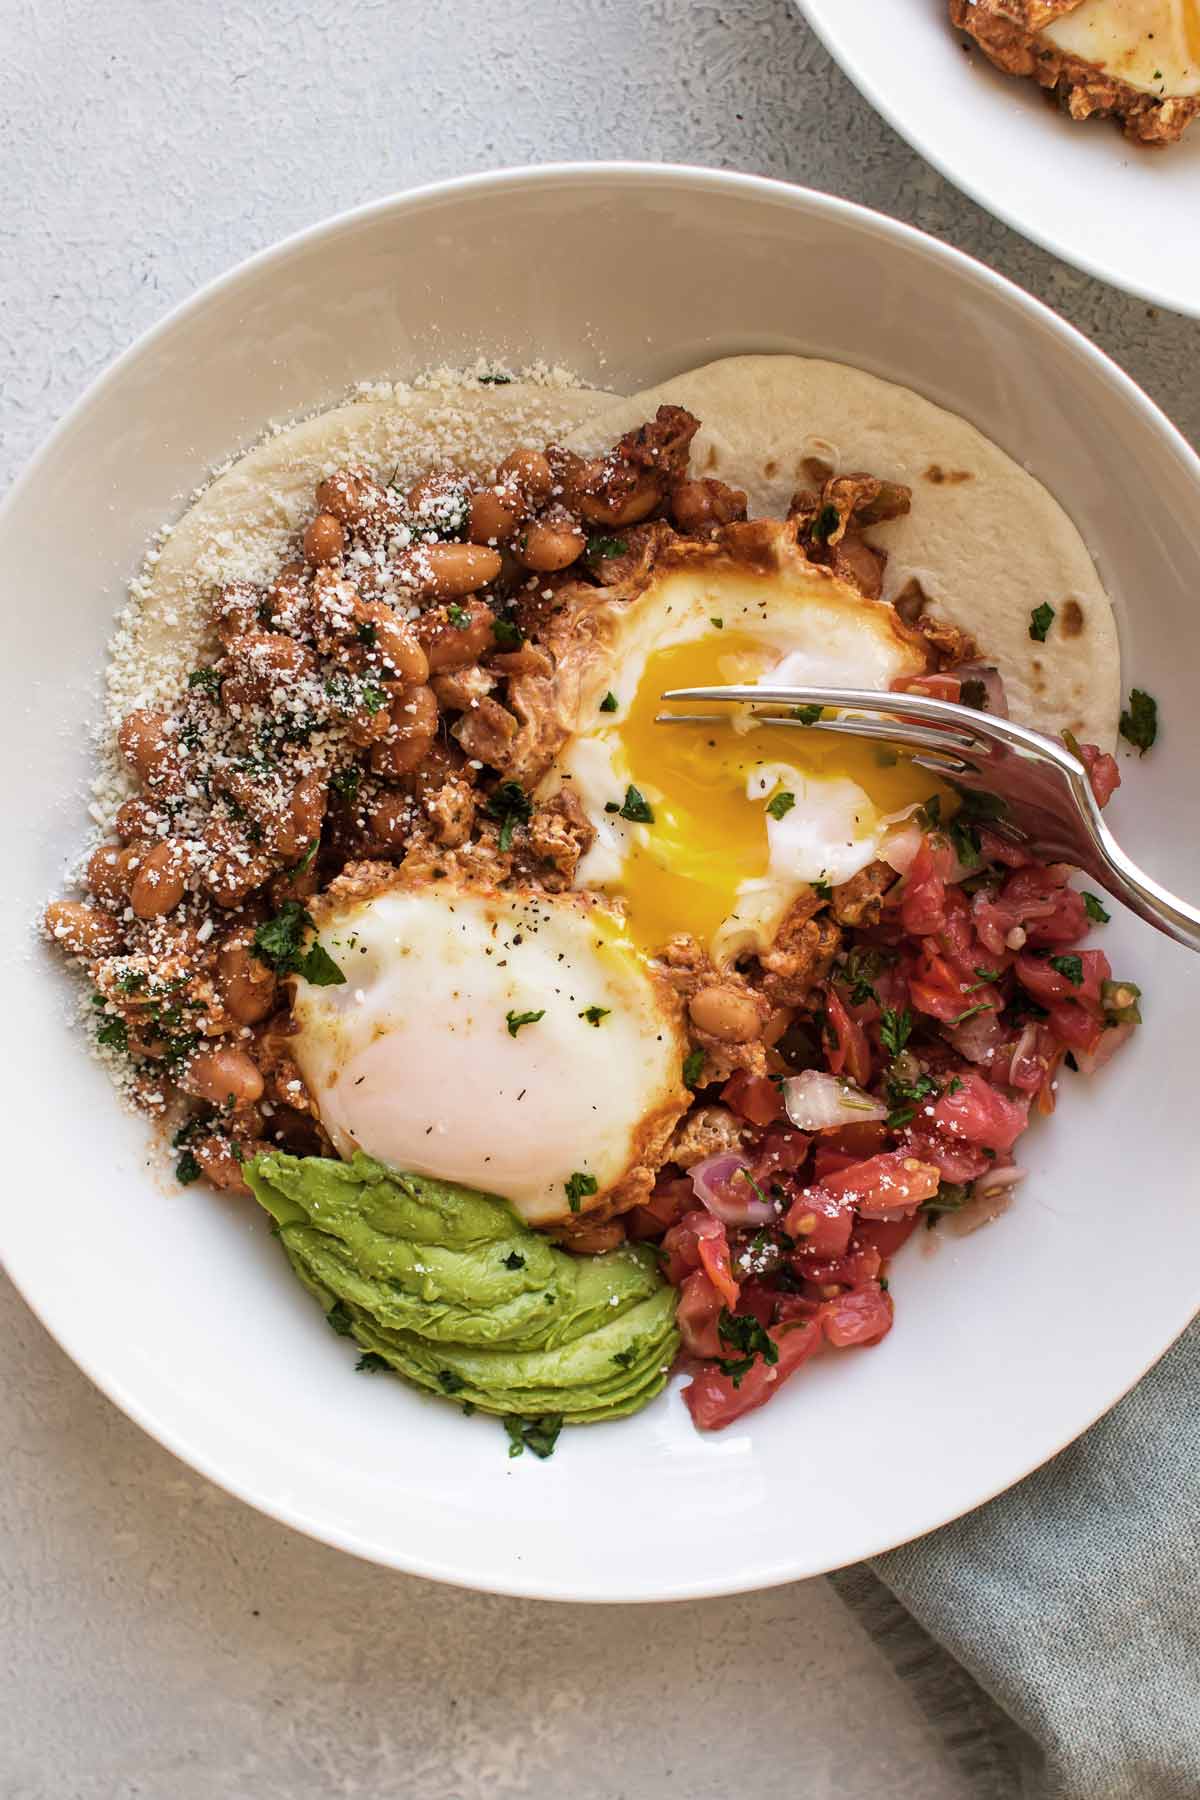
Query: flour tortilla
(246,522)
(985,540)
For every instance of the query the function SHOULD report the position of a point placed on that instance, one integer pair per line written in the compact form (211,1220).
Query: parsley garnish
(1094,910)
(1040,621)
(515,1020)
(781,803)
(1071,967)
(862,966)
(953,1086)
(626,1358)
(306,861)
(277,942)
(895,1029)
(449,1382)
(635,807)
(931,812)
(951,1195)
(514,1260)
(594,1014)
(369,1363)
(458,616)
(344,782)
(693,1068)
(578,1188)
(538,1434)
(113,1033)
(600,546)
(208,679)
(807,715)
(983,1006)
(719,623)
(507,633)
(1139,724)
(609,702)
(512,806)
(825,524)
(187,1169)
(495,380)
(742,1331)
(822,889)
(338,1319)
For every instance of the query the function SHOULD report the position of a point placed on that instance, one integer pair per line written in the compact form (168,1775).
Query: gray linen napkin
(1072,1607)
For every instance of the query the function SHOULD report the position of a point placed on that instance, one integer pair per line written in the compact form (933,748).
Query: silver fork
(1044,791)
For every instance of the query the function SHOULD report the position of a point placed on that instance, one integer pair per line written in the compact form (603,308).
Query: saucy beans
(726,1013)
(413,727)
(223,1077)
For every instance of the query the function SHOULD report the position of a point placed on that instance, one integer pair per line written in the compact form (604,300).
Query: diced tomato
(1103,772)
(714,1402)
(1110,1041)
(922,904)
(885,1236)
(696,1314)
(1075,1025)
(861,1263)
(862,1317)
(847,1144)
(883,1186)
(672,1197)
(994,847)
(937,687)
(846,1048)
(758,1299)
(938,989)
(1065,925)
(754,1097)
(1049,985)
(699,1242)
(781,1152)
(954,1161)
(821,1221)
(977,1113)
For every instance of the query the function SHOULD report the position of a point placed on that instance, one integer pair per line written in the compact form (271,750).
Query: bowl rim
(977,191)
(636,174)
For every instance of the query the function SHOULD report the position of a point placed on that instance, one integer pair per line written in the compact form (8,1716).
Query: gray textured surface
(159,1639)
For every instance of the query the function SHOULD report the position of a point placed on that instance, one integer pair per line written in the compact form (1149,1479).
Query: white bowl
(177,1302)
(1124,213)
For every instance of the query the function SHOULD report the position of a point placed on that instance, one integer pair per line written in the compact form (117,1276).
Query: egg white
(412,1060)
(1153,45)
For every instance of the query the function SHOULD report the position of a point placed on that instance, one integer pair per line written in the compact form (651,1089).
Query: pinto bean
(529,471)
(324,539)
(491,520)
(551,543)
(238,610)
(110,870)
(396,642)
(702,506)
(726,1013)
(160,880)
(232,866)
(137,819)
(452,639)
(216,1157)
(150,749)
(299,825)
(263,660)
(82,930)
(247,987)
(349,494)
(450,571)
(413,723)
(222,1075)
(387,822)
(627,509)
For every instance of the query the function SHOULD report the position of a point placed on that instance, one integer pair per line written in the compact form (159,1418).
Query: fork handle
(1122,878)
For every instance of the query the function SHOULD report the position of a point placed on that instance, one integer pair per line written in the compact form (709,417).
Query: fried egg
(513,1041)
(1153,45)
(714,830)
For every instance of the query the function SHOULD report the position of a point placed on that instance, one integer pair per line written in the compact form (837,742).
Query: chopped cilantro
(578,1188)
(187,1169)
(512,806)
(742,1331)
(825,524)
(951,1195)
(962,1017)
(780,804)
(539,1434)
(719,623)
(507,632)
(636,808)
(515,1020)
(495,380)
(366,633)
(1094,910)
(338,1319)
(449,1382)
(369,1363)
(807,715)
(113,1033)
(1139,724)
(1040,621)
(609,702)
(600,546)
(860,971)
(1070,967)
(277,942)
(306,861)
(953,1085)
(344,783)
(895,1029)
(931,812)
(626,1358)
(458,616)
(207,679)
(693,1068)
(514,1260)
(967,845)
(594,1014)
(822,889)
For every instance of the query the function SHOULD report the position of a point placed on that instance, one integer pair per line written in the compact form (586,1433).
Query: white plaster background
(158,1639)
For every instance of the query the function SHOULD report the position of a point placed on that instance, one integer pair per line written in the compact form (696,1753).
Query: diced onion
(992,1196)
(817,1101)
(723,1185)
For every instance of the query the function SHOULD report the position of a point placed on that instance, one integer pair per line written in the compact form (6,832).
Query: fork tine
(882,730)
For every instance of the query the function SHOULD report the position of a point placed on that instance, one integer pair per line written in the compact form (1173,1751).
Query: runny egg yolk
(708,836)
